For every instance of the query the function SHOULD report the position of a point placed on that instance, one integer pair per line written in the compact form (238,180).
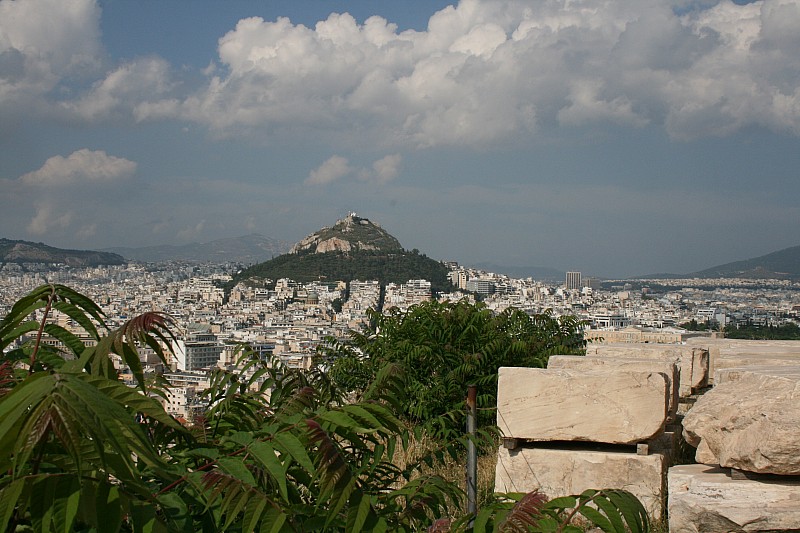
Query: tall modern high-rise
(573,280)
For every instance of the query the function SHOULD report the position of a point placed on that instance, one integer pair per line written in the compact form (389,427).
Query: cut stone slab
(734,374)
(734,346)
(705,499)
(601,405)
(562,472)
(730,353)
(669,368)
(755,360)
(693,360)
(749,421)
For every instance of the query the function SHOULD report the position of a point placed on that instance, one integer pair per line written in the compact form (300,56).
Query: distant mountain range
(783,264)
(352,238)
(249,249)
(12,251)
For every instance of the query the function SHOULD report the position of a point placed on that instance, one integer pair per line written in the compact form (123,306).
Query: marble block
(600,405)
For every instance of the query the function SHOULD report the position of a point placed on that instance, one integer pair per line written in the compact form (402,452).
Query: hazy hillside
(248,249)
(783,264)
(354,248)
(12,251)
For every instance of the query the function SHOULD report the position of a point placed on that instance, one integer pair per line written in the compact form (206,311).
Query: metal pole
(472,453)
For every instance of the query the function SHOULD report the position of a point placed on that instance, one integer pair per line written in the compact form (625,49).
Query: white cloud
(159,109)
(482,40)
(383,170)
(80,166)
(51,49)
(332,169)
(586,105)
(337,167)
(47,218)
(43,41)
(126,88)
(485,71)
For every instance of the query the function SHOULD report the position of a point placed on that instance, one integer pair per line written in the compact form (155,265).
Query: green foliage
(277,450)
(71,447)
(309,462)
(17,326)
(613,511)
(782,332)
(443,347)
(694,325)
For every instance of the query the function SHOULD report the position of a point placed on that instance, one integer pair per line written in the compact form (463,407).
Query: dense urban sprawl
(290,320)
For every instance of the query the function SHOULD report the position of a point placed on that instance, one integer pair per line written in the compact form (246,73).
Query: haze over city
(615,138)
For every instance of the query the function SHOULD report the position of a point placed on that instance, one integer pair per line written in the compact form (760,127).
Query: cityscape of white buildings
(290,320)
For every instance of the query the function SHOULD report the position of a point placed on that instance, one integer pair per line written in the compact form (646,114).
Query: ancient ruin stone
(705,499)
(749,421)
(669,368)
(610,406)
(733,353)
(561,472)
(693,360)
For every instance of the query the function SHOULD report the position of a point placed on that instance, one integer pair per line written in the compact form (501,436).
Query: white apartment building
(197,350)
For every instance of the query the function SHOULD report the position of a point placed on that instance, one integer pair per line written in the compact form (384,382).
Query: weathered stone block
(569,405)
(731,353)
(750,423)
(756,360)
(705,499)
(791,371)
(561,472)
(669,368)
(693,360)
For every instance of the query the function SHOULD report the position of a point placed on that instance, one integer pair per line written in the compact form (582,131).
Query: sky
(612,137)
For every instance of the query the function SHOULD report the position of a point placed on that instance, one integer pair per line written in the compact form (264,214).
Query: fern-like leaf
(235,495)
(525,514)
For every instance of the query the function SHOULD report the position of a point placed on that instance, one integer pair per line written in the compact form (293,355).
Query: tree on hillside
(443,347)
(396,267)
